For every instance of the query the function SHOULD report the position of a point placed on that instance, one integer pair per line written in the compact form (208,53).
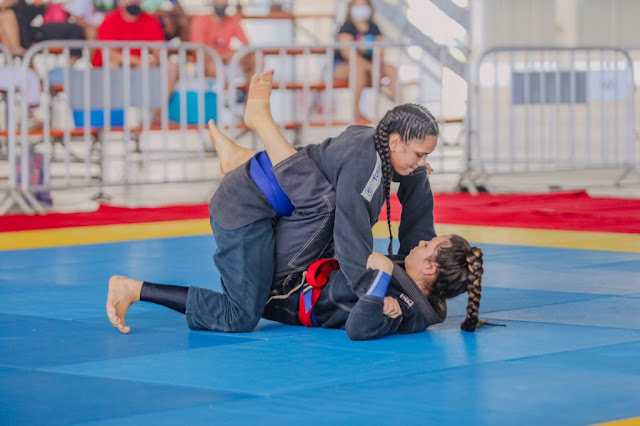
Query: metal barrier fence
(97,128)
(553,109)
(112,121)
(634,52)
(7,146)
(306,95)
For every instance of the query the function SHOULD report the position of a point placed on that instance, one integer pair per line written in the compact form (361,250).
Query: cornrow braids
(410,121)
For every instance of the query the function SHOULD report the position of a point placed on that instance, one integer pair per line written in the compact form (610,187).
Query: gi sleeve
(416,222)
(366,320)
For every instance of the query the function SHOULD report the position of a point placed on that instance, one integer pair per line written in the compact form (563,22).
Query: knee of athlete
(242,321)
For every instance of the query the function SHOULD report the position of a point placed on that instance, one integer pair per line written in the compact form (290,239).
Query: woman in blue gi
(403,296)
(261,239)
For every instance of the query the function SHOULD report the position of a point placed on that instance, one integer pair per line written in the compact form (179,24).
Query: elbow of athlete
(356,331)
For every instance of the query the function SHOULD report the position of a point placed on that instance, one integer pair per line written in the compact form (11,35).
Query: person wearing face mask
(360,27)
(130,23)
(217,30)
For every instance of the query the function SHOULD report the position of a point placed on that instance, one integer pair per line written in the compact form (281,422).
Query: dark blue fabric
(260,171)
(244,258)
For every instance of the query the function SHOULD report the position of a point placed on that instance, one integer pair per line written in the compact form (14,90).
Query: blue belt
(260,171)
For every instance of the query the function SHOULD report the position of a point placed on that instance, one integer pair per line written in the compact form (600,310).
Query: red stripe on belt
(317,276)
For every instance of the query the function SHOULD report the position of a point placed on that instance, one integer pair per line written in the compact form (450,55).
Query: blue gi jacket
(352,165)
(361,317)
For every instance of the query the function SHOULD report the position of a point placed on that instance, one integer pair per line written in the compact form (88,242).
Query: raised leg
(258,118)
(230,153)
(10,32)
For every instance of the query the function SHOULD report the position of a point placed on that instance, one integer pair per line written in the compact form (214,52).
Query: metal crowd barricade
(306,96)
(106,134)
(634,52)
(9,191)
(548,109)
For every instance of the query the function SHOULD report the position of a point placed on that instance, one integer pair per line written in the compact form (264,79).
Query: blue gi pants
(251,257)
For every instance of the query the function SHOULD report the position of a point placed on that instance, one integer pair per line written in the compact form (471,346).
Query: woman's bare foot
(230,153)
(258,109)
(123,292)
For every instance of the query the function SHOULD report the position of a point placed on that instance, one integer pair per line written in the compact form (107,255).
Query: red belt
(317,276)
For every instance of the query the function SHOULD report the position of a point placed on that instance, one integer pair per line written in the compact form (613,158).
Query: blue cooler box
(97,118)
(210,107)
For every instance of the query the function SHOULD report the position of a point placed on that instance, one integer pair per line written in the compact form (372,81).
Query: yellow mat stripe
(102,234)
(633,421)
(607,241)
(179,228)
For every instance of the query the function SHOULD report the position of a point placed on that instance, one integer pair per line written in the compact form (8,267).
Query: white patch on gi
(406,300)
(374,181)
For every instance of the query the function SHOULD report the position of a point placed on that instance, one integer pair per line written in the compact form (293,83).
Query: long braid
(410,121)
(474,289)
(381,139)
(460,269)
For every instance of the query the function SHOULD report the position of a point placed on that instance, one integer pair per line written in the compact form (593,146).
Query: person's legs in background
(363,79)
(209,67)
(10,32)
(173,71)
(389,71)
(248,65)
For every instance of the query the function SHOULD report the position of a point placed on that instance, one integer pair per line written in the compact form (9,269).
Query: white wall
(609,22)
(556,22)
(510,22)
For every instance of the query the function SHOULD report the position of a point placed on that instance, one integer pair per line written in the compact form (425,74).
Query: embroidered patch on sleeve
(374,181)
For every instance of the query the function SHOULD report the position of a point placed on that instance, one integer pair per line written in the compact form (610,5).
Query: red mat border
(574,210)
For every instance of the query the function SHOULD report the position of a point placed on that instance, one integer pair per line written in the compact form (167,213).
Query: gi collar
(415,294)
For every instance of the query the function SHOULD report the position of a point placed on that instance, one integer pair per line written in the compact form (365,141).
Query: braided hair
(411,122)
(459,270)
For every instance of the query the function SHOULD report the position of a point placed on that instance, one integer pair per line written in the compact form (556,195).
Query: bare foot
(123,292)
(230,153)
(258,109)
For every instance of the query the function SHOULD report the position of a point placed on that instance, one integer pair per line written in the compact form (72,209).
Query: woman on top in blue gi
(262,239)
